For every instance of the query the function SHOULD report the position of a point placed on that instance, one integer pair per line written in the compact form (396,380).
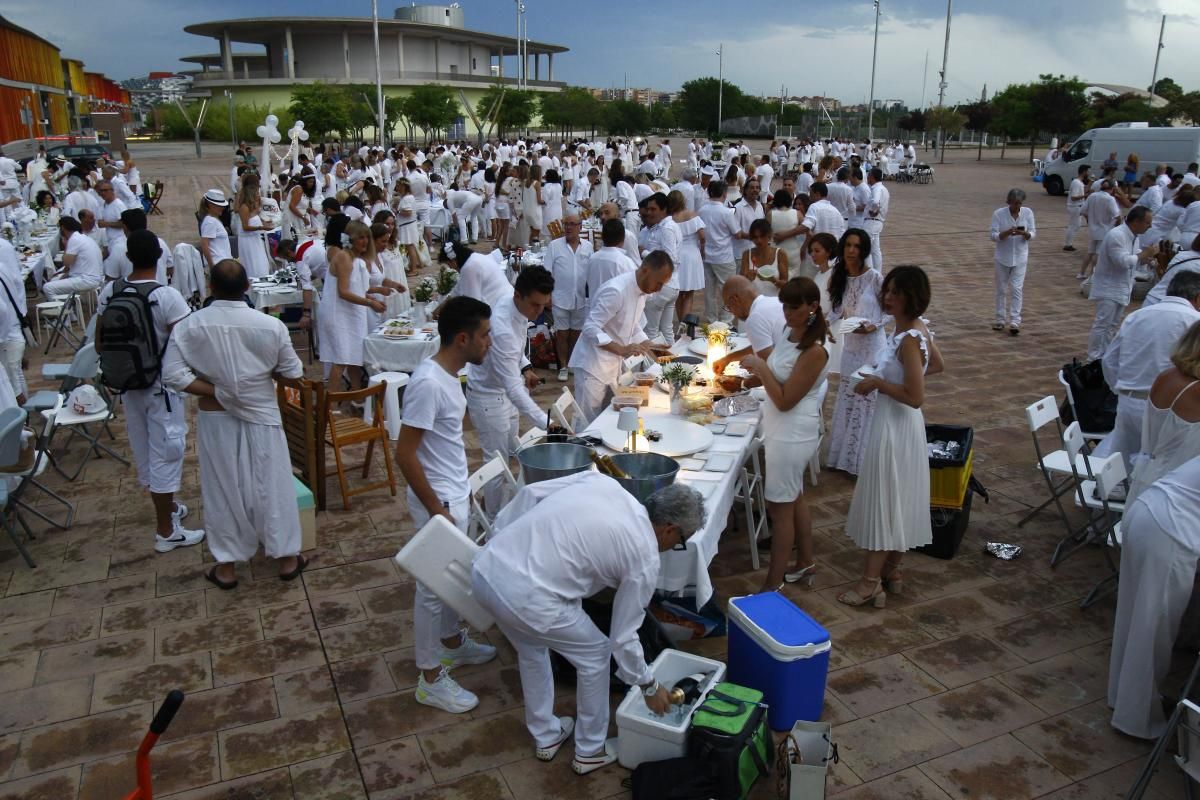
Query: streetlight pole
(874,56)
(1154,80)
(942,84)
(520,7)
(378,73)
(720,85)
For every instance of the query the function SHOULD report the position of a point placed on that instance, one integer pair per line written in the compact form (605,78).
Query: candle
(716,351)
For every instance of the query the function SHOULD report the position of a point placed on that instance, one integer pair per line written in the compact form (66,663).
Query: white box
(440,556)
(806,776)
(642,736)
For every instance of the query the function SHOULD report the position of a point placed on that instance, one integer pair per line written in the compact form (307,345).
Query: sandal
(211,577)
(876,598)
(893,585)
(301,563)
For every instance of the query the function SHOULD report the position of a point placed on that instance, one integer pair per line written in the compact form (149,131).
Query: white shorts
(422,215)
(1094,246)
(502,211)
(569,319)
(157,437)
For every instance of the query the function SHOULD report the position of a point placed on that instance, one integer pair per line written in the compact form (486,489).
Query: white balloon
(303,135)
(272,120)
(261,130)
(300,124)
(275,137)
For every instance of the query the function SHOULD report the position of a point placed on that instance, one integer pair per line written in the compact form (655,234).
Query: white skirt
(407,232)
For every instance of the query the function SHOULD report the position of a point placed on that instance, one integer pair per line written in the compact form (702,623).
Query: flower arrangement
(447,279)
(716,332)
(425,289)
(678,375)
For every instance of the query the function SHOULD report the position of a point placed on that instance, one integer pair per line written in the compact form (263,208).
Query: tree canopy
(626,117)
(323,108)
(698,101)
(506,108)
(431,107)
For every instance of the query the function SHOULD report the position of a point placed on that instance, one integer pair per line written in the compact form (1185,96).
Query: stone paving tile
(252,595)
(533,778)
(998,769)
(50,786)
(273,785)
(10,745)
(951,615)
(1081,743)
(394,769)
(230,629)
(964,659)
(338,610)
(17,672)
(260,659)
(879,685)
(330,778)
(26,607)
(386,600)
(287,740)
(144,614)
(100,655)
(1112,784)
(288,618)
(1060,683)
(174,767)
(480,785)
(50,576)
(224,708)
(372,636)
(82,740)
(909,784)
(42,705)
(889,742)
(873,635)
(360,678)
(978,711)
(39,634)
(1047,633)
(363,575)
(304,690)
(152,682)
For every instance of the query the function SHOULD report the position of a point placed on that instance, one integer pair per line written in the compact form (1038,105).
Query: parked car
(77,154)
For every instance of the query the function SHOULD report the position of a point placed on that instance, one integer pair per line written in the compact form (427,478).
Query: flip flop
(211,577)
(301,563)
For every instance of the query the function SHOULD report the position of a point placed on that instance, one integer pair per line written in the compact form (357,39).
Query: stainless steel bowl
(648,472)
(545,462)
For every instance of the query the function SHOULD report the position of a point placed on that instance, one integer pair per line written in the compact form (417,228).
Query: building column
(550,66)
(499,64)
(537,66)
(346,50)
(291,53)
(437,59)
(470,59)
(246,68)
(226,54)
(400,54)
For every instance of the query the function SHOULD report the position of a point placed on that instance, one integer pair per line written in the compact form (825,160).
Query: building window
(473,67)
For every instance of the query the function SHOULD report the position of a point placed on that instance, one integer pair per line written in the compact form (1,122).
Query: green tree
(573,108)
(1059,106)
(912,121)
(431,107)
(322,107)
(626,117)
(1186,107)
(662,116)
(505,108)
(1107,110)
(696,107)
(247,118)
(1012,114)
(947,120)
(1167,89)
(360,109)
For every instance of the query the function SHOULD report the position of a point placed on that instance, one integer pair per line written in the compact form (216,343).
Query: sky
(809,48)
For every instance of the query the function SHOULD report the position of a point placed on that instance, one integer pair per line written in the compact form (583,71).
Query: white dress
(532,208)
(790,437)
(552,194)
(393,270)
(1167,442)
(690,270)
(785,220)
(765,287)
(294,226)
(890,507)
(374,280)
(852,412)
(408,231)
(252,249)
(343,325)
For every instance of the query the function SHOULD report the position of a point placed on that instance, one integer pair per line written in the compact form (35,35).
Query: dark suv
(81,155)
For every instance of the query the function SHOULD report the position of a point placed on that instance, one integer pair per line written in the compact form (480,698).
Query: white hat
(86,400)
(216,197)
(709,171)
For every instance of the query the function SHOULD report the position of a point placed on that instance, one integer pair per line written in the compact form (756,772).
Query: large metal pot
(648,472)
(545,462)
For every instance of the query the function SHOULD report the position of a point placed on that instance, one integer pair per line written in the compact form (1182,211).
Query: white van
(1176,147)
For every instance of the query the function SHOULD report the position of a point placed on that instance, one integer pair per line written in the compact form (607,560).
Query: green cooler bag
(729,731)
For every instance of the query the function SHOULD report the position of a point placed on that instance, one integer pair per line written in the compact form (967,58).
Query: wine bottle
(613,469)
(687,690)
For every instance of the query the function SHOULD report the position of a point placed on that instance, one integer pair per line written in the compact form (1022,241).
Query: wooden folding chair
(154,201)
(302,407)
(342,431)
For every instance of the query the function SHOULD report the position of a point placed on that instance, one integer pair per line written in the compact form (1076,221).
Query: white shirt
(570,270)
(1152,198)
(483,279)
(615,316)
(1077,194)
(118,265)
(1142,347)
(1184,261)
(1013,251)
(1174,502)
(218,239)
(124,194)
(111,212)
(89,263)
(1102,214)
(434,403)
(560,541)
(719,227)
(604,265)
(881,200)
(1189,224)
(500,371)
(841,197)
(75,202)
(822,217)
(1113,276)
(418,182)
(764,322)
(765,174)
(744,214)
(861,195)
(313,264)
(10,274)
(238,350)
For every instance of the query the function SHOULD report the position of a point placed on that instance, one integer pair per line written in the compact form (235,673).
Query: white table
(684,570)
(267,295)
(384,354)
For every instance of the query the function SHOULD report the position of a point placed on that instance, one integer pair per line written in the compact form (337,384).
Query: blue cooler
(781,651)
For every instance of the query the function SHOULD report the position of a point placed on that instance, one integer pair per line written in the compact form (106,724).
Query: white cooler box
(440,556)
(643,736)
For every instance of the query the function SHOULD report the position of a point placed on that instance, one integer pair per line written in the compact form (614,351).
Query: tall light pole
(520,58)
(378,73)
(874,56)
(1157,53)
(942,84)
(720,85)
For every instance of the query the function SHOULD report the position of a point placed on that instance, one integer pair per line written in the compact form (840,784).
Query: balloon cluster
(297,132)
(269,132)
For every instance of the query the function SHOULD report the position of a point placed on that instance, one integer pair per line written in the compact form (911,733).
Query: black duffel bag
(1095,403)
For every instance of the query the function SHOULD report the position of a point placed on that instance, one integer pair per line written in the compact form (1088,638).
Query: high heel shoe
(893,585)
(804,576)
(877,598)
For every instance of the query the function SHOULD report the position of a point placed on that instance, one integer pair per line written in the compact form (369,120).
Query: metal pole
(942,85)
(518,7)
(378,72)
(874,56)
(720,85)
(232,123)
(1157,53)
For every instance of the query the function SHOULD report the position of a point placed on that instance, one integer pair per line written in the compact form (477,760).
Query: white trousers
(660,314)
(498,424)
(1104,327)
(1126,435)
(1073,220)
(715,276)
(1009,280)
(592,395)
(247,488)
(467,214)
(433,620)
(1157,575)
(874,227)
(157,437)
(62,288)
(11,353)
(577,639)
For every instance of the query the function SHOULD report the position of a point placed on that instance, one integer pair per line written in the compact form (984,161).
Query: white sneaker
(566,726)
(562,375)
(445,693)
(179,514)
(585,764)
(182,537)
(469,652)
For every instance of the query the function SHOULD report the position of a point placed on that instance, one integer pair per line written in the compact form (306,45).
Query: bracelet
(526,368)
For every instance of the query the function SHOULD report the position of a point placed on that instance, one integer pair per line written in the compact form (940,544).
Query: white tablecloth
(266,296)
(381,354)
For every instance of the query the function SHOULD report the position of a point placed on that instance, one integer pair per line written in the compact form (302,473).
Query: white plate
(691,464)
(850,325)
(719,462)
(716,427)
(737,429)
(679,437)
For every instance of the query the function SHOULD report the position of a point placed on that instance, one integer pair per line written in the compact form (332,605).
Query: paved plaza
(984,680)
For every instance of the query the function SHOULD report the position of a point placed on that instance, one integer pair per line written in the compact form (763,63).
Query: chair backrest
(372,394)
(1042,412)
(496,468)
(1109,472)
(12,421)
(565,407)
(1073,441)
(86,363)
(530,435)
(303,425)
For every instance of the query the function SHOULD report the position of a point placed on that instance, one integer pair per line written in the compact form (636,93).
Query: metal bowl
(648,472)
(545,462)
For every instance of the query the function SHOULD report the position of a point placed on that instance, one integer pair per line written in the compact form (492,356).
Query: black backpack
(130,355)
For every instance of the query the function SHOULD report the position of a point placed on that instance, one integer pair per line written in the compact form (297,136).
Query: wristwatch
(651,690)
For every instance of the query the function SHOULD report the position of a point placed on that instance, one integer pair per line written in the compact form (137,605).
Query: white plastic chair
(1054,466)
(750,495)
(564,404)
(12,422)
(1109,474)
(479,480)
(529,435)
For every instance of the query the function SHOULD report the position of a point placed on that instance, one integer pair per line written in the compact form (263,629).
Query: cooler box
(308,514)
(643,736)
(781,651)
(440,556)
(948,477)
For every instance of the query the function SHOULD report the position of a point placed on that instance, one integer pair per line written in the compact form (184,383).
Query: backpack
(684,778)
(130,356)
(729,732)
(1095,403)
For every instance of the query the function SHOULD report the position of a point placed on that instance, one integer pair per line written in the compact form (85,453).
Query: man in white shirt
(118,264)
(230,355)
(821,217)
(498,389)
(761,320)
(687,187)
(77,199)
(700,190)
(479,276)
(765,173)
(1112,283)
(433,459)
(155,417)
(611,260)
(1011,229)
(109,217)
(1075,197)
(1102,214)
(464,207)
(1184,261)
(745,211)
(556,543)
(1137,355)
(418,183)
(567,258)
(910,156)
(720,228)
(1152,195)
(876,216)
(83,265)
(860,198)
(613,332)
(629,241)
(841,194)
(660,232)
(120,188)
(664,156)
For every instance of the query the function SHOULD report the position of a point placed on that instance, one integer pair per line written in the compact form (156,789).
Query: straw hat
(216,197)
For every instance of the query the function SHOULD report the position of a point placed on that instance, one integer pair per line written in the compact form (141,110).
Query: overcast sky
(809,47)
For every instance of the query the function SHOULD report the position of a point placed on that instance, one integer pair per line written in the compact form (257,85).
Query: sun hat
(216,197)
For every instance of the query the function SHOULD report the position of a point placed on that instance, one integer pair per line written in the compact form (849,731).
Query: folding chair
(345,431)
(63,313)
(1096,435)
(529,435)
(1051,465)
(1109,473)
(564,403)
(77,424)
(156,199)
(12,422)
(29,477)
(750,494)
(494,470)
(84,366)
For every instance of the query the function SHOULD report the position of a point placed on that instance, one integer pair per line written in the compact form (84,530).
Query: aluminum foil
(1002,551)
(734,405)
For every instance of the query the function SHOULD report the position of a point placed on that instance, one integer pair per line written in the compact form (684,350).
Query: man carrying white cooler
(556,543)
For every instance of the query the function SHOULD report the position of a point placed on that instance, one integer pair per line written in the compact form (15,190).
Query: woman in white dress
(552,197)
(889,513)
(489,202)
(786,218)
(408,232)
(251,231)
(389,266)
(500,232)
(764,257)
(689,272)
(299,211)
(346,299)
(792,376)
(854,291)
(532,202)
(518,226)
(376,201)
(821,247)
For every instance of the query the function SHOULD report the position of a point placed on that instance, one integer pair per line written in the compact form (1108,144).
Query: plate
(679,437)
(719,462)
(851,324)
(691,464)
(737,429)
(716,427)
